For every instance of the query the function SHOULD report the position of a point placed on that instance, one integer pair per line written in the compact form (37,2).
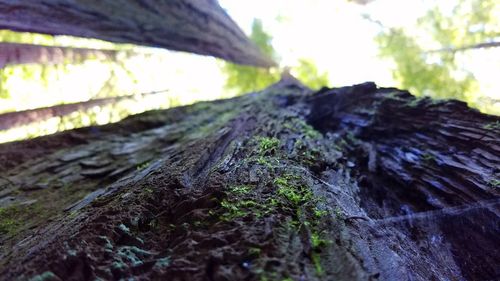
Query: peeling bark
(196,26)
(353,183)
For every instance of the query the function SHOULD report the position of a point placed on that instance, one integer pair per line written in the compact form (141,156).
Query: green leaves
(429,61)
(422,73)
(243,79)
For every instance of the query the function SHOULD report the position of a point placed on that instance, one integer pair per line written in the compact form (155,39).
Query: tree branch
(15,119)
(16,53)
(485,45)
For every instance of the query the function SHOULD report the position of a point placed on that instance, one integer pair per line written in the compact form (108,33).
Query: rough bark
(20,118)
(354,183)
(197,26)
(14,53)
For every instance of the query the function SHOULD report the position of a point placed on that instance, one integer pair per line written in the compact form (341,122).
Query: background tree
(49,62)
(195,26)
(244,79)
(16,53)
(37,63)
(429,60)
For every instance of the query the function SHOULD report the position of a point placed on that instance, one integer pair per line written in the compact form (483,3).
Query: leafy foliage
(49,74)
(436,68)
(416,72)
(244,79)
(308,74)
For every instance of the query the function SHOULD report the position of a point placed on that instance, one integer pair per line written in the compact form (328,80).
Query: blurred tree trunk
(197,26)
(353,183)
(15,53)
(11,120)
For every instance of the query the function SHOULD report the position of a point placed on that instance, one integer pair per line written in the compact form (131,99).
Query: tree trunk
(20,118)
(353,183)
(197,26)
(14,53)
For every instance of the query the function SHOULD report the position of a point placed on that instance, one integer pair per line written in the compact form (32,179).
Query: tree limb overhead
(197,26)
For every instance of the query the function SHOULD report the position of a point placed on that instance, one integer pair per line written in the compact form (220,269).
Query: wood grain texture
(196,26)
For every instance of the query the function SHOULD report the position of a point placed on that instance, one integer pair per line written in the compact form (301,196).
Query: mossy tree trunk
(195,26)
(354,183)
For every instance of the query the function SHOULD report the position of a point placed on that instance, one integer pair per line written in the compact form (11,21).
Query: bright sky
(333,34)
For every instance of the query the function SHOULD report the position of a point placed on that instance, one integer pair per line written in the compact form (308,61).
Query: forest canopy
(443,51)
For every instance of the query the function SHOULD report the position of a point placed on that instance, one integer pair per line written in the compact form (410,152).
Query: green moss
(492,126)
(12,218)
(318,242)
(319,213)
(291,190)
(253,251)
(291,194)
(494,183)
(8,224)
(206,123)
(268,145)
(308,130)
(301,127)
(239,208)
(263,161)
(240,189)
(267,151)
(338,213)
(309,157)
(317,263)
(143,166)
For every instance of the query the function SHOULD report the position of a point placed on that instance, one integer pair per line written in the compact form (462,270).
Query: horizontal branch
(16,53)
(20,118)
(485,45)
(196,26)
